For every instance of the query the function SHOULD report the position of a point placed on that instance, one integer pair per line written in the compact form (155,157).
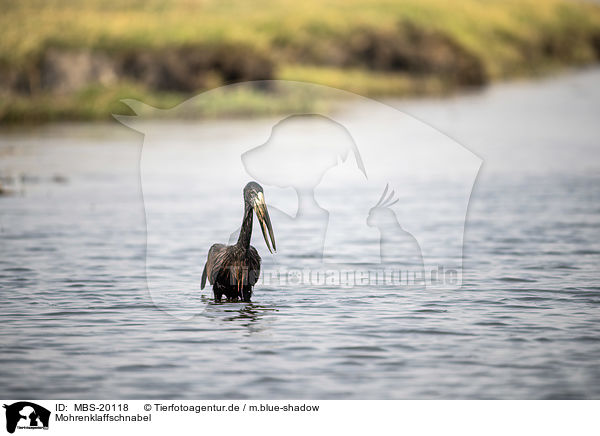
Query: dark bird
(234,269)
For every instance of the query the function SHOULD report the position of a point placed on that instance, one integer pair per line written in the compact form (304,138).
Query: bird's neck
(246,230)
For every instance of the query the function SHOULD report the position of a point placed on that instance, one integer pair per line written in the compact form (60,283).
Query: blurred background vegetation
(63,59)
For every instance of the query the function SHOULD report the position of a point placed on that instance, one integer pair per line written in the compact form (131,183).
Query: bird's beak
(260,207)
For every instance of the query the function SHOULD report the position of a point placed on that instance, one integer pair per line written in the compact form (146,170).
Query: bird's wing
(253,266)
(203,284)
(214,261)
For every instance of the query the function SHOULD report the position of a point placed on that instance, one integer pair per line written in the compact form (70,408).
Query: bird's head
(254,197)
(381,212)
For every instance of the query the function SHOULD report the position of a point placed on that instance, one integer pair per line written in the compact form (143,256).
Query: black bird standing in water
(234,269)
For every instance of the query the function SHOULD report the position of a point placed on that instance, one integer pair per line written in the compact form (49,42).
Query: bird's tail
(203,278)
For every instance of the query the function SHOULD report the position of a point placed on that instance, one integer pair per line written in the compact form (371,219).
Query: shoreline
(48,108)
(391,100)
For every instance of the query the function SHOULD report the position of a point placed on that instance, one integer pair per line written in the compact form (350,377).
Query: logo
(363,196)
(26,415)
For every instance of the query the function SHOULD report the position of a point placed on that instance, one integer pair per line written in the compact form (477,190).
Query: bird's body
(234,269)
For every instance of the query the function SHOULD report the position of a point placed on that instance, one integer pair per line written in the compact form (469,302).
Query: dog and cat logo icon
(26,415)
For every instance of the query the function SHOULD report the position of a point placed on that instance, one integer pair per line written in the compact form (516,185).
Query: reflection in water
(249,312)
(248,315)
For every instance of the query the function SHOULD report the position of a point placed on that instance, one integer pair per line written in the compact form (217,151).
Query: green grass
(363,82)
(305,40)
(96,102)
(497,30)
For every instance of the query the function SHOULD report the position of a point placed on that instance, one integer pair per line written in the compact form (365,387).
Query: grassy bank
(59,61)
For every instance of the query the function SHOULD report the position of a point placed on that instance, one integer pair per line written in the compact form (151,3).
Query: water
(78,320)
